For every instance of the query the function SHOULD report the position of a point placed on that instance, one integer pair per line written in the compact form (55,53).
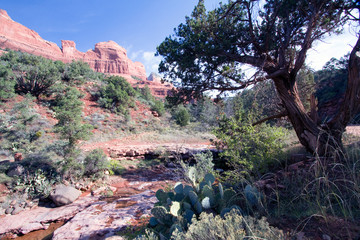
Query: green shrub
(158,106)
(77,73)
(115,168)
(35,185)
(34,74)
(233,226)
(22,128)
(181,116)
(117,95)
(95,164)
(248,149)
(7,83)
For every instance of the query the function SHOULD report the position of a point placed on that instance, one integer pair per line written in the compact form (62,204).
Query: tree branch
(278,115)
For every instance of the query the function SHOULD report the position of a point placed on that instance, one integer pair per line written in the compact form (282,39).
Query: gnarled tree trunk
(323,139)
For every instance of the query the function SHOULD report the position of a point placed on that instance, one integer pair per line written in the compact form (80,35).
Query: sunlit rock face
(106,57)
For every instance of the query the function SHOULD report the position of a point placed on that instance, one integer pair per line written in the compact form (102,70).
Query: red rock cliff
(107,57)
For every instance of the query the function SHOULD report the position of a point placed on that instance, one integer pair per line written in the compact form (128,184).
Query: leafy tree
(68,111)
(117,95)
(181,115)
(209,49)
(34,74)
(7,83)
(205,111)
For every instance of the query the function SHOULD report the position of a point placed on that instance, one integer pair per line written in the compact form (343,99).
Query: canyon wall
(107,57)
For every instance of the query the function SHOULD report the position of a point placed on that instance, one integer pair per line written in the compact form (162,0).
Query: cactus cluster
(176,209)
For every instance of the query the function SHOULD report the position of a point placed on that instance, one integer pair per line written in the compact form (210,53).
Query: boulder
(63,195)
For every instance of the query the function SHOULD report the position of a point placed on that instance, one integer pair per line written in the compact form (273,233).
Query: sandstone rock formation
(107,57)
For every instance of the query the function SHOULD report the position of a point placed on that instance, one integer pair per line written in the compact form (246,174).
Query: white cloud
(334,46)
(148,58)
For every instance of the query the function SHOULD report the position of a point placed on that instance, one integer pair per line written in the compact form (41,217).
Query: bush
(115,168)
(249,150)
(77,73)
(95,164)
(7,83)
(117,95)
(146,96)
(22,128)
(36,185)
(181,115)
(158,106)
(34,74)
(233,226)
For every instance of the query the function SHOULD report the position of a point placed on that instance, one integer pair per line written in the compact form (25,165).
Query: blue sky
(137,25)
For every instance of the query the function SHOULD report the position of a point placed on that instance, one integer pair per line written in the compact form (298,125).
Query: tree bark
(318,139)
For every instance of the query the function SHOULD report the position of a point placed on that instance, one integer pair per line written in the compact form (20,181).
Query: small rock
(17,209)
(9,210)
(18,157)
(114,238)
(326,237)
(63,195)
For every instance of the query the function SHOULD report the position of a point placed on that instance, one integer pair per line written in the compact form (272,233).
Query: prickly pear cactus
(193,198)
(209,178)
(160,213)
(253,196)
(161,196)
(175,209)
(179,188)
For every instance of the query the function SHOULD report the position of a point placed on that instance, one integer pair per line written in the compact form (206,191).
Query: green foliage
(233,226)
(36,185)
(158,106)
(176,209)
(78,72)
(7,83)
(195,55)
(181,116)
(248,149)
(115,168)
(155,104)
(204,165)
(331,86)
(34,74)
(22,128)
(206,112)
(68,111)
(117,95)
(95,164)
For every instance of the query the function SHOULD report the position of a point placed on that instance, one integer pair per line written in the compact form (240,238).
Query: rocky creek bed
(94,215)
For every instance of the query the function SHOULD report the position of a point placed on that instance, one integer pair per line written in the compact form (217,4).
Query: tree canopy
(209,50)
